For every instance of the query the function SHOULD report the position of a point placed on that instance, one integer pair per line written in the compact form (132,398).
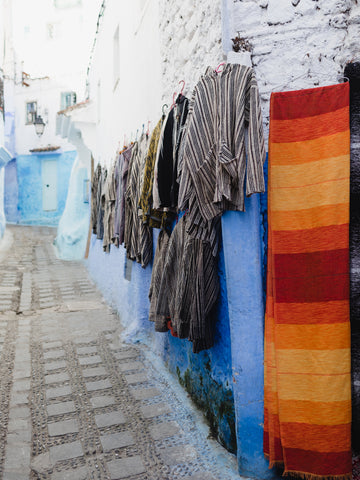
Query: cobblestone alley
(76,403)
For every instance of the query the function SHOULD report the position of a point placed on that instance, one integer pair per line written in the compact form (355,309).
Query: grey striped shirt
(223,146)
(189,288)
(137,235)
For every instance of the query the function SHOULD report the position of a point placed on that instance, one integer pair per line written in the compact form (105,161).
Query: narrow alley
(75,402)
(179,240)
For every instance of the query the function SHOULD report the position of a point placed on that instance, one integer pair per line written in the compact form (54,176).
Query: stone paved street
(75,402)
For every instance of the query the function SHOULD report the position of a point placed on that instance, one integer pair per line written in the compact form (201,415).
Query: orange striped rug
(307,425)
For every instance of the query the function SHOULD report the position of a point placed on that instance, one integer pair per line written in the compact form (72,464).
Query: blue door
(49,185)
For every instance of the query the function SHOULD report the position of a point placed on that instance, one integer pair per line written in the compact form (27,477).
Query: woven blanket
(352,71)
(307,425)
(356,468)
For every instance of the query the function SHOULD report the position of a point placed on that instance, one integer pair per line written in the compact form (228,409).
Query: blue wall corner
(11,193)
(243,262)
(72,233)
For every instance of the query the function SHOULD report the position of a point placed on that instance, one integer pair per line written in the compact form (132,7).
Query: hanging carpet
(352,71)
(307,425)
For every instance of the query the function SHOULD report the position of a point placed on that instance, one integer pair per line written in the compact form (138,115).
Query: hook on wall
(220,65)
(182,88)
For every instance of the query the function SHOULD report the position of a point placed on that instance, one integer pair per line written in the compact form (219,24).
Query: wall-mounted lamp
(39,125)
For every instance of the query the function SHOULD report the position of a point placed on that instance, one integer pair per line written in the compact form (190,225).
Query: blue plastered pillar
(242,241)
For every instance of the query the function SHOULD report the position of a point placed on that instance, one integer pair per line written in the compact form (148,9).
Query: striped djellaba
(189,288)
(307,426)
(137,235)
(223,144)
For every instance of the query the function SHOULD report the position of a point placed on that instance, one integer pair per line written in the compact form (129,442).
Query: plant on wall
(240,44)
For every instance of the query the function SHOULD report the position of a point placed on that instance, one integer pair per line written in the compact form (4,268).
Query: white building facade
(47,56)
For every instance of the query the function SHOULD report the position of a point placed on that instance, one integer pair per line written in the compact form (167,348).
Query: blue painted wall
(2,210)
(227,380)
(73,226)
(12,213)
(9,128)
(29,188)
(206,376)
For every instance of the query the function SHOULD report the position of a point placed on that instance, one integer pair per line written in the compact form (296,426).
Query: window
(116,52)
(31,112)
(67,100)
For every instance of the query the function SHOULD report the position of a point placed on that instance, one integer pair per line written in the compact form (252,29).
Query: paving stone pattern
(75,402)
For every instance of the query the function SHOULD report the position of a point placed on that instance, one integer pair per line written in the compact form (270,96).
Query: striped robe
(189,288)
(110,196)
(121,174)
(157,271)
(95,185)
(155,218)
(223,145)
(137,236)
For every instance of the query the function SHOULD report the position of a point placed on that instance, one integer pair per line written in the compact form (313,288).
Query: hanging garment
(189,287)
(154,218)
(307,425)
(121,174)
(215,160)
(117,182)
(180,114)
(161,322)
(109,211)
(352,72)
(137,235)
(168,155)
(101,204)
(94,197)
(155,187)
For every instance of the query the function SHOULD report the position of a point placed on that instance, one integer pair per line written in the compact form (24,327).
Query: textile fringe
(311,476)
(275,463)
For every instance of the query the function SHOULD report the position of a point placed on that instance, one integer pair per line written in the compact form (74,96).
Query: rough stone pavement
(75,402)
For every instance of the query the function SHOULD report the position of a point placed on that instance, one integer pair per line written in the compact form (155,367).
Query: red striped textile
(307,424)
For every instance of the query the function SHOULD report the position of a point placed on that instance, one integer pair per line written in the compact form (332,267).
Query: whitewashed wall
(3,16)
(123,106)
(295,44)
(44,41)
(47,94)
(53,41)
(190,37)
